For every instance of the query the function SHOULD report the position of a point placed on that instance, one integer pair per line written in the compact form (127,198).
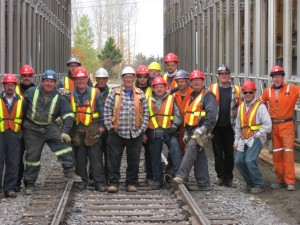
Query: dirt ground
(285,204)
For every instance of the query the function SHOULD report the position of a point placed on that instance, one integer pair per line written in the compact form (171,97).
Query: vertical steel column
(287,38)
(272,35)
(237,39)
(298,37)
(208,44)
(34,39)
(221,33)
(2,37)
(29,35)
(214,44)
(38,45)
(17,29)
(9,57)
(263,38)
(247,38)
(257,41)
(227,32)
(23,32)
(203,39)
(194,43)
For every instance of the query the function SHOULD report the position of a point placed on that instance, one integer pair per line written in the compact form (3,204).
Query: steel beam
(247,38)
(237,39)
(287,38)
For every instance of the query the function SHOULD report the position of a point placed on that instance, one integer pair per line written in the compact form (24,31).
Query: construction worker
(281,98)
(126,119)
(142,82)
(87,104)
(67,85)
(39,127)
(253,123)
(171,62)
(102,79)
(182,97)
(228,99)
(12,108)
(26,82)
(164,120)
(154,71)
(199,117)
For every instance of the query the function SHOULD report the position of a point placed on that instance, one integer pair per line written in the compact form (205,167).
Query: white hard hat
(101,72)
(128,70)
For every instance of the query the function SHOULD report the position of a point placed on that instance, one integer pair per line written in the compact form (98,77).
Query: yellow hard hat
(154,66)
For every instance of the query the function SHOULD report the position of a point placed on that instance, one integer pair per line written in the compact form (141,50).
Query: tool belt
(275,121)
(90,133)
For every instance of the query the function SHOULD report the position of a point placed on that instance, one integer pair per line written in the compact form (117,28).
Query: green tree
(110,56)
(83,45)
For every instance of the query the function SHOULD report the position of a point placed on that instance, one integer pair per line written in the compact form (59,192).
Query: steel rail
(60,211)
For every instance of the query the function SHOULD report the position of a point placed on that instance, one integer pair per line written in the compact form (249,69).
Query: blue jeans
(155,147)
(246,163)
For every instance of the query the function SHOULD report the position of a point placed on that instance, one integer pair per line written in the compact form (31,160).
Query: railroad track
(49,204)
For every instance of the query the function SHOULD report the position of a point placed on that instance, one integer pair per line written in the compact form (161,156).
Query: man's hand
(101,130)
(198,132)
(63,92)
(65,138)
(235,146)
(185,137)
(144,138)
(172,131)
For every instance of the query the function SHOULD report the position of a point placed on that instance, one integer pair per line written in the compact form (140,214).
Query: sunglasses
(141,76)
(248,92)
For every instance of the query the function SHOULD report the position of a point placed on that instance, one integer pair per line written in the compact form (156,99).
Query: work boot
(291,187)
(156,185)
(113,189)
(81,186)
(178,180)
(219,182)
(229,183)
(17,189)
(10,194)
(278,186)
(256,190)
(247,189)
(71,175)
(29,189)
(131,188)
(100,188)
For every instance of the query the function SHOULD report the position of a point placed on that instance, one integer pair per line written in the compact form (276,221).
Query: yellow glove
(65,138)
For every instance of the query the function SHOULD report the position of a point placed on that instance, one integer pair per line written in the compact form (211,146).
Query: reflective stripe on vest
(13,120)
(86,113)
(148,92)
(192,111)
(164,116)
(173,83)
(247,120)
(18,89)
(69,84)
(34,105)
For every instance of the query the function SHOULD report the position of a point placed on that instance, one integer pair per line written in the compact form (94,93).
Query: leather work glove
(63,92)
(59,121)
(198,132)
(172,131)
(65,138)
(185,137)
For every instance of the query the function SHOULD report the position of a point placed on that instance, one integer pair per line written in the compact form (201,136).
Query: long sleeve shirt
(127,128)
(262,117)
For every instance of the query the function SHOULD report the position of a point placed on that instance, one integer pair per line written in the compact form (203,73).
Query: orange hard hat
(142,69)
(158,80)
(171,57)
(248,85)
(196,74)
(277,70)
(26,70)
(80,72)
(9,78)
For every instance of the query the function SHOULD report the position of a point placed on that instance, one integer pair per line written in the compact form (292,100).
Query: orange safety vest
(248,120)
(214,88)
(138,107)
(69,84)
(162,117)
(18,89)
(11,120)
(192,110)
(173,83)
(181,103)
(86,113)
(148,92)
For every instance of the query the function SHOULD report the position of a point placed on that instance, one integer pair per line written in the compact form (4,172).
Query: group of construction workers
(88,128)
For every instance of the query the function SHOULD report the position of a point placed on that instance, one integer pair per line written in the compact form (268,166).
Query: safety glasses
(248,92)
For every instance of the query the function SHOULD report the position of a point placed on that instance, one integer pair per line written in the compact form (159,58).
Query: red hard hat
(158,80)
(171,57)
(142,69)
(26,70)
(277,70)
(196,74)
(9,78)
(248,85)
(80,72)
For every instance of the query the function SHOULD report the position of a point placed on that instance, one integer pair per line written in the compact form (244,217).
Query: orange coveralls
(282,108)
(181,103)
